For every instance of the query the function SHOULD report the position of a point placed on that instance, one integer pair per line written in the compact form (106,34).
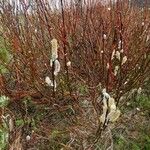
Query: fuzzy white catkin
(48,81)
(35,30)
(68,63)
(57,67)
(51,62)
(118,55)
(102,117)
(124,60)
(54,44)
(121,51)
(104,36)
(11,125)
(114,113)
(55,85)
(28,138)
(147,38)
(139,91)
(116,70)
(105,107)
(113,54)
(105,94)
(107,66)
(119,44)
(112,104)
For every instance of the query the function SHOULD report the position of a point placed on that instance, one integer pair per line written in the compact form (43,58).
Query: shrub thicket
(99,47)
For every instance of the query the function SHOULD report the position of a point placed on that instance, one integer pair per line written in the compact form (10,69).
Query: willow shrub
(105,47)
